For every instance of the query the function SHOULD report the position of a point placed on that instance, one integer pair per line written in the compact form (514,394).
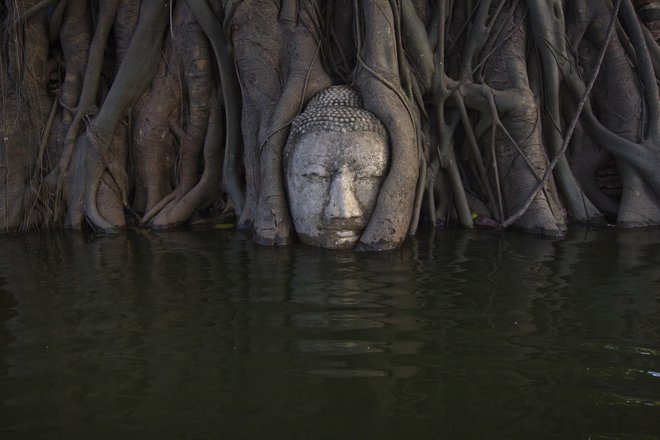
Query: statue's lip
(344,232)
(349,226)
(347,234)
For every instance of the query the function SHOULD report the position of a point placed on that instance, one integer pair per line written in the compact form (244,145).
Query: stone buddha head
(335,161)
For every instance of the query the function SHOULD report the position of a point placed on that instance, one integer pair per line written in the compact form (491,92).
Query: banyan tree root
(519,142)
(185,73)
(102,160)
(639,205)
(25,107)
(135,107)
(641,154)
(279,65)
(378,79)
(497,88)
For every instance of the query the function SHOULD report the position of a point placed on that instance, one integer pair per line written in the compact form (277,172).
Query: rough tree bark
(158,113)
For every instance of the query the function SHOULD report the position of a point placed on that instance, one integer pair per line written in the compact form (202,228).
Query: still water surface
(459,335)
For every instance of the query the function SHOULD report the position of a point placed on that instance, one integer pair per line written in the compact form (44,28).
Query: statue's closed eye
(316,172)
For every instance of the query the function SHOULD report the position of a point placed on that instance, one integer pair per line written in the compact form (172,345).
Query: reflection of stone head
(335,160)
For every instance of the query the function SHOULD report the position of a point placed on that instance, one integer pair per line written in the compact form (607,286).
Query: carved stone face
(333,180)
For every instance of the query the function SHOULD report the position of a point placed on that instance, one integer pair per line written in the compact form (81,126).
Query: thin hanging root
(44,142)
(456,183)
(472,141)
(493,152)
(477,39)
(31,12)
(645,66)
(454,92)
(448,163)
(34,193)
(520,151)
(419,195)
(432,174)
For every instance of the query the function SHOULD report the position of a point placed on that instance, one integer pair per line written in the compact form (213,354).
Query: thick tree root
(148,108)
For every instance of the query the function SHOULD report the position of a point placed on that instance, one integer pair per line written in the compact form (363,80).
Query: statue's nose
(342,204)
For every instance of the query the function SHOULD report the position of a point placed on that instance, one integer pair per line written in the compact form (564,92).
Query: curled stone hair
(335,109)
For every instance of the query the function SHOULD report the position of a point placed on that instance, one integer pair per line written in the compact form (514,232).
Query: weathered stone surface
(335,160)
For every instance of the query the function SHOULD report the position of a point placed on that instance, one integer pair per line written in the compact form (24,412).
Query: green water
(459,335)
